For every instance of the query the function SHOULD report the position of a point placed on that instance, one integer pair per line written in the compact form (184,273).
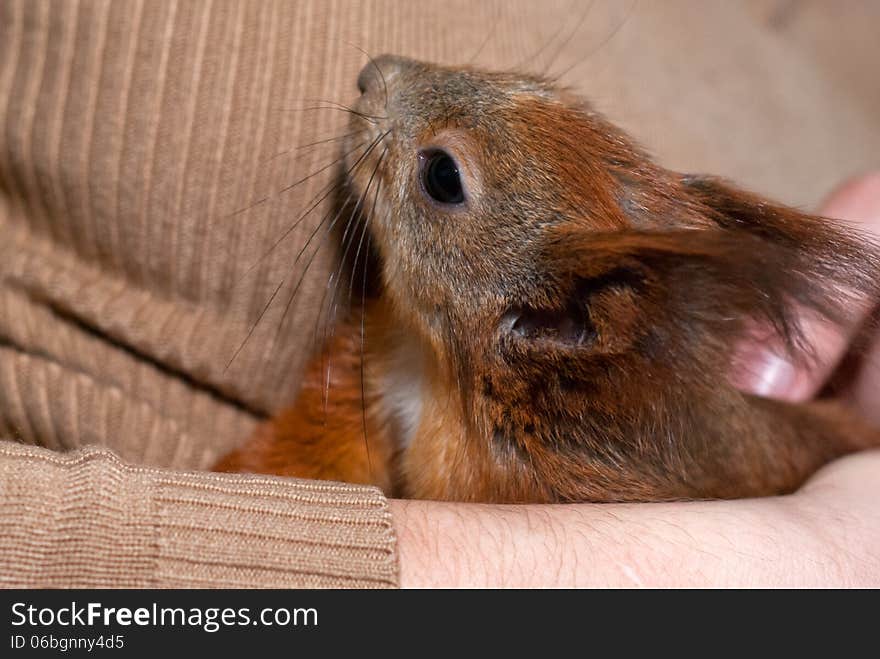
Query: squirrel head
(568,284)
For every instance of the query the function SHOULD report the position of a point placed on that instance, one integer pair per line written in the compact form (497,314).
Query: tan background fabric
(146,147)
(100,524)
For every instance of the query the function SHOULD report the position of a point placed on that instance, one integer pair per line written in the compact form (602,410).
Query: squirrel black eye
(441,178)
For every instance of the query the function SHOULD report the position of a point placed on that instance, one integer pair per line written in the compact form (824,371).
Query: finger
(761,366)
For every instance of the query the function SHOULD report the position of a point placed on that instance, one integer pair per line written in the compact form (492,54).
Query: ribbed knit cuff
(87,520)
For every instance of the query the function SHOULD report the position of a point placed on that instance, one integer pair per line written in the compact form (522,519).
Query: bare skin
(825,534)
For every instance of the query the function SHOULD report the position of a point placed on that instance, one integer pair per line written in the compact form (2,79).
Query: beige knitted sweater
(146,148)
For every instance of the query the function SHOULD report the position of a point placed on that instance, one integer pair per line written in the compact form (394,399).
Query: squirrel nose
(380,71)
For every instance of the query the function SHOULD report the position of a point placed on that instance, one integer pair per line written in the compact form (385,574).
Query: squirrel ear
(688,290)
(827,261)
(735,209)
(675,292)
(566,327)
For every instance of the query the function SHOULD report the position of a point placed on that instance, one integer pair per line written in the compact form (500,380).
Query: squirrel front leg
(330,432)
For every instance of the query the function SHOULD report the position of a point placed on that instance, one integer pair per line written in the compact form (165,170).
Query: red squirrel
(555,314)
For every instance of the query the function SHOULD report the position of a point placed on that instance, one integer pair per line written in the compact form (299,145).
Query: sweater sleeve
(85,519)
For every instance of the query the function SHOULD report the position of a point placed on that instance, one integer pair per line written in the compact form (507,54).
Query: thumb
(762,368)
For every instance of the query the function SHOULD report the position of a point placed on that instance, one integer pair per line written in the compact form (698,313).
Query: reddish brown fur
(564,334)
(321,436)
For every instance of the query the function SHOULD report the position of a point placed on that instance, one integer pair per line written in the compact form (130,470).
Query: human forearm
(813,538)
